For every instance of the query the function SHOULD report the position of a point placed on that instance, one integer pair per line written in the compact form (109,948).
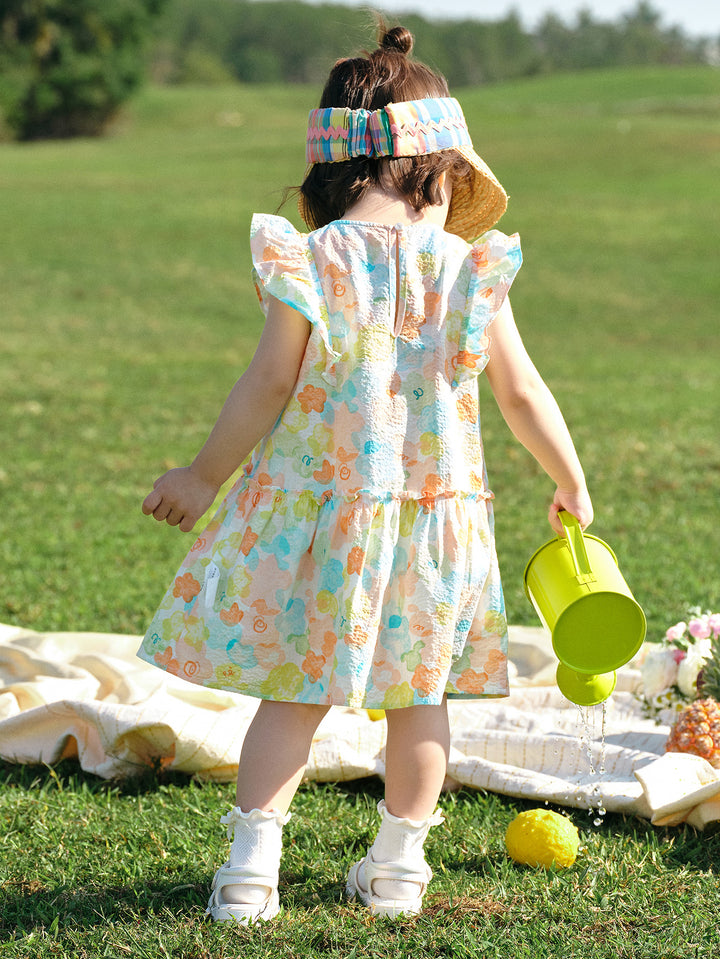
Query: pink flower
(699,628)
(714,624)
(676,632)
(679,655)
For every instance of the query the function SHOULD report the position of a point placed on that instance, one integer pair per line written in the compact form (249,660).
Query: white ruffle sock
(392,878)
(245,888)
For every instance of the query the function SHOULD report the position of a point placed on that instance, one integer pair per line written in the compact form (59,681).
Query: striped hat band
(411,128)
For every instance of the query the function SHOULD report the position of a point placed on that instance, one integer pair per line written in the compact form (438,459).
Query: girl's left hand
(180,497)
(577,502)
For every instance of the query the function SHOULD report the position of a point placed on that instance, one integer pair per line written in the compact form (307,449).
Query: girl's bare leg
(418,745)
(274,754)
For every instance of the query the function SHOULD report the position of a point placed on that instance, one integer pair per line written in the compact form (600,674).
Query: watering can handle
(576,545)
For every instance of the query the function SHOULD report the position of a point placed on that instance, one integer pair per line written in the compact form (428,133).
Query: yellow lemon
(540,837)
(376,714)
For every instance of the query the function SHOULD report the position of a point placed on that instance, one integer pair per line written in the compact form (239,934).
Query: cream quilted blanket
(86,695)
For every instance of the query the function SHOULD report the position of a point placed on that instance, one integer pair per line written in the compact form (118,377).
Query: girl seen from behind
(353,562)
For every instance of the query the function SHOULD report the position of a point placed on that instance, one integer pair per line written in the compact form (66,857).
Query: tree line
(293,42)
(67,65)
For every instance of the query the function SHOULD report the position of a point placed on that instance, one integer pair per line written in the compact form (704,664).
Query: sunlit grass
(127,312)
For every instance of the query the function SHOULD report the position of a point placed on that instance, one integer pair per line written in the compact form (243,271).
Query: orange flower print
(466,359)
(411,327)
(329,643)
(479,255)
(432,303)
(271,253)
(349,517)
(356,559)
(248,541)
(495,665)
(433,486)
(426,680)
(312,398)
(232,616)
(356,637)
(477,482)
(345,458)
(472,682)
(338,289)
(190,668)
(325,474)
(186,586)
(313,666)
(334,271)
(468,408)
(262,608)
(421,623)
(165,659)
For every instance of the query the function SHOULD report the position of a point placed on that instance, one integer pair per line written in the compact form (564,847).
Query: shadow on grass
(27,906)
(69,774)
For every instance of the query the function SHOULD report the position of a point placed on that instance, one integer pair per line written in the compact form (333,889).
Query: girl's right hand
(576,502)
(180,497)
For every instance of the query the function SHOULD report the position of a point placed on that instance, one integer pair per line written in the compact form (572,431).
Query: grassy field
(126,314)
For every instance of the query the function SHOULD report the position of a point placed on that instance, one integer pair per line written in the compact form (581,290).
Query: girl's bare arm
(181,496)
(531,412)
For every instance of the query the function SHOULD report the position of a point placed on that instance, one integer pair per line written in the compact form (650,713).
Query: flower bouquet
(671,671)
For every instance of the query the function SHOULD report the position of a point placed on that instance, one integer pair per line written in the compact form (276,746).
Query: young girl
(353,562)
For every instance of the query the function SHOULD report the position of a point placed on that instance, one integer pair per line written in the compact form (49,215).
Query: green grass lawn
(127,312)
(98,870)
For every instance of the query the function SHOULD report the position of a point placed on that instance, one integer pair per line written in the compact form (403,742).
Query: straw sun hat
(412,128)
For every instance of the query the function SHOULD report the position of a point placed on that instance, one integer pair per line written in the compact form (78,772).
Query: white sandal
(397,861)
(254,862)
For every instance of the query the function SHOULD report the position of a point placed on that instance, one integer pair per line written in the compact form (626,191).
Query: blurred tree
(293,42)
(67,65)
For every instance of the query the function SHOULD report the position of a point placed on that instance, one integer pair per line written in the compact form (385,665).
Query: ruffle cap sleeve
(493,263)
(283,267)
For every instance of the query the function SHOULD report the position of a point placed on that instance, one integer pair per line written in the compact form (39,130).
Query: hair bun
(398,40)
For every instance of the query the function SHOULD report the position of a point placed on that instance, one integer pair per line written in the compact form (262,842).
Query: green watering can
(580,595)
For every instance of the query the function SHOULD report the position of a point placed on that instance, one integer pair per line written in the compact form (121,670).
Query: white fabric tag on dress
(212,580)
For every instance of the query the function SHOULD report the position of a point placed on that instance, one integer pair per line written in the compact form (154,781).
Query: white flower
(697,655)
(659,669)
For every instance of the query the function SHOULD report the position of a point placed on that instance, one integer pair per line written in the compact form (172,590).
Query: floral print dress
(353,561)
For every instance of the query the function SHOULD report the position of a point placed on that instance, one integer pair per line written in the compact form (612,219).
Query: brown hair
(384,76)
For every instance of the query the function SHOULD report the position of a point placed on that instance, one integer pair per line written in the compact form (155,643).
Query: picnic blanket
(86,695)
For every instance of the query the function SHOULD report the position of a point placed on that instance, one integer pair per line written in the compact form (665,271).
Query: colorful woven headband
(411,128)
(408,129)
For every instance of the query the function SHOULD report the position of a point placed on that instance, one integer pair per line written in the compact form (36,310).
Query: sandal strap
(418,872)
(242,876)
